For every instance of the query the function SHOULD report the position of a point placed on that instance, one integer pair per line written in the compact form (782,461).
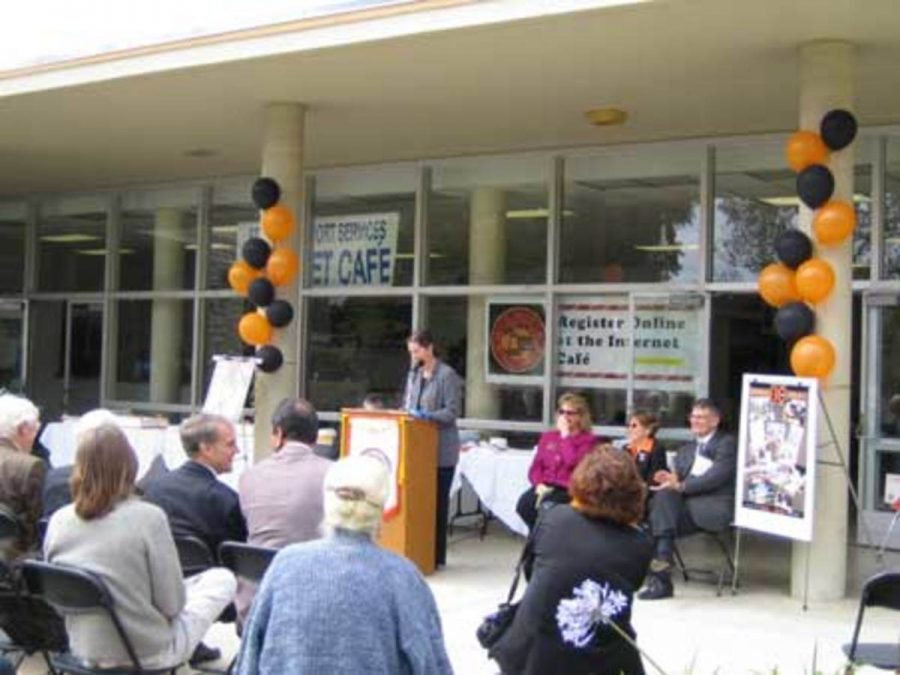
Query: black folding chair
(882,590)
(247,562)
(194,555)
(30,624)
(74,590)
(727,572)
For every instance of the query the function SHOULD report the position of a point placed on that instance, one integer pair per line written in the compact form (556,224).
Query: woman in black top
(648,455)
(584,563)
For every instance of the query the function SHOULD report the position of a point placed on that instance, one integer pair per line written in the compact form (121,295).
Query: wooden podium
(411,445)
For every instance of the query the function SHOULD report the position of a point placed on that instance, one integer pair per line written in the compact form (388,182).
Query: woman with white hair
(343,604)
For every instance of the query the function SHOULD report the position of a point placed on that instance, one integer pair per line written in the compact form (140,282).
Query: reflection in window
(72,244)
(158,240)
(755,201)
(357,346)
(632,217)
(892,210)
(153,355)
(362,232)
(458,327)
(232,220)
(12,247)
(487,221)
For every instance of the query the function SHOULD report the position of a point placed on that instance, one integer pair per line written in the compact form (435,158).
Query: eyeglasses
(568,413)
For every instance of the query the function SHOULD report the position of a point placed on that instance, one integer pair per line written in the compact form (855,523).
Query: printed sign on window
(355,250)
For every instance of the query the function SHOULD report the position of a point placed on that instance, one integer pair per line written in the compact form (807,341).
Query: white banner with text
(355,250)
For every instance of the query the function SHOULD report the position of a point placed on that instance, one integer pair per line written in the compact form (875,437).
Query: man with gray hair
(21,474)
(196,502)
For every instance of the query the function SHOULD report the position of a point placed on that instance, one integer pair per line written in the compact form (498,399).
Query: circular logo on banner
(517,339)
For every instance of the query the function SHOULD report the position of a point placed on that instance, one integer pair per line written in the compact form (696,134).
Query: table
(150,438)
(498,477)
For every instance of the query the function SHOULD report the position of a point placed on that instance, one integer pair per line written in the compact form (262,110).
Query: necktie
(701,449)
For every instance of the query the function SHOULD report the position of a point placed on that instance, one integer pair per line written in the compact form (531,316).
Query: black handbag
(496,623)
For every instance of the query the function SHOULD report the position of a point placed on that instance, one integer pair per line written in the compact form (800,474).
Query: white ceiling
(681,68)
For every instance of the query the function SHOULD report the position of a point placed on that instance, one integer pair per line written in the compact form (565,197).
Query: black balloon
(270,358)
(793,248)
(261,292)
(838,129)
(266,193)
(815,185)
(256,252)
(280,313)
(794,321)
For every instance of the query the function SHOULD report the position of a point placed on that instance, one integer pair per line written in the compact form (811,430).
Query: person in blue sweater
(342,605)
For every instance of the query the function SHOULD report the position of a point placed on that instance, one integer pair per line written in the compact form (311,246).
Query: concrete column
(826,82)
(167,313)
(487,258)
(282,159)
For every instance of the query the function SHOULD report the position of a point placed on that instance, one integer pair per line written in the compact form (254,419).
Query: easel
(879,554)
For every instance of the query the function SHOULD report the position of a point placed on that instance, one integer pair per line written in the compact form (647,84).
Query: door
(65,358)
(879,442)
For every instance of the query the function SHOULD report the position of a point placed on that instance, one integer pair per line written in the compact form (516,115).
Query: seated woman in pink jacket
(558,454)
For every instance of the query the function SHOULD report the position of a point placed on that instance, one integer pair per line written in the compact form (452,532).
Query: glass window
(363,224)
(755,200)
(459,327)
(602,344)
(232,220)
(892,209)
(220,335)
(12,247)
(11,327)
(632,216)
(153,351)
(158,240)
(72,244)
(356,346)
(487,221)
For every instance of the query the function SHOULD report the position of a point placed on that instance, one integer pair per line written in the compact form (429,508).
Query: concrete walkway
(759,630)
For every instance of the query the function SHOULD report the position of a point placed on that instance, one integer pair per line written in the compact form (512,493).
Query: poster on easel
(229,386)
(777,455)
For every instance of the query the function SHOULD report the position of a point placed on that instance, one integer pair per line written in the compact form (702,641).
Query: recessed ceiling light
(200,153)
(605,117)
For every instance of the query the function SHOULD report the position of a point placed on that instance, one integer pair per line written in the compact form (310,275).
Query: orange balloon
(805,148)
(812,356)
(833,222)
(240,276)
(815,279)
(777,285)
(255,329)
(277,222)
(282,266)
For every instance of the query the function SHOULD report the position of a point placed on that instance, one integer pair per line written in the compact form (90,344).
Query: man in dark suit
(196,502)
(697,495)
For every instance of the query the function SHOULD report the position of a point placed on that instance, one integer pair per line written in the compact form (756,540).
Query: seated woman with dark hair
(558,453)
(584,562)
(648,455)
(127,542)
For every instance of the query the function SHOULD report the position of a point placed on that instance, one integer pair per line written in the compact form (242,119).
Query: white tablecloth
(498,477)
(150,439)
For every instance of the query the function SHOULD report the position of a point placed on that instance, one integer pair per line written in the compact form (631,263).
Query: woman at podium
(434,392)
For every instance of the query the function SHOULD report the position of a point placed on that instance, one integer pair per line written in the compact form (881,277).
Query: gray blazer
(710,497)
(442,397)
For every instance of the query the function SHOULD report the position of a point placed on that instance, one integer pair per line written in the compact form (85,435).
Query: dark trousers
(527,506)
(442,513)
(669,518)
